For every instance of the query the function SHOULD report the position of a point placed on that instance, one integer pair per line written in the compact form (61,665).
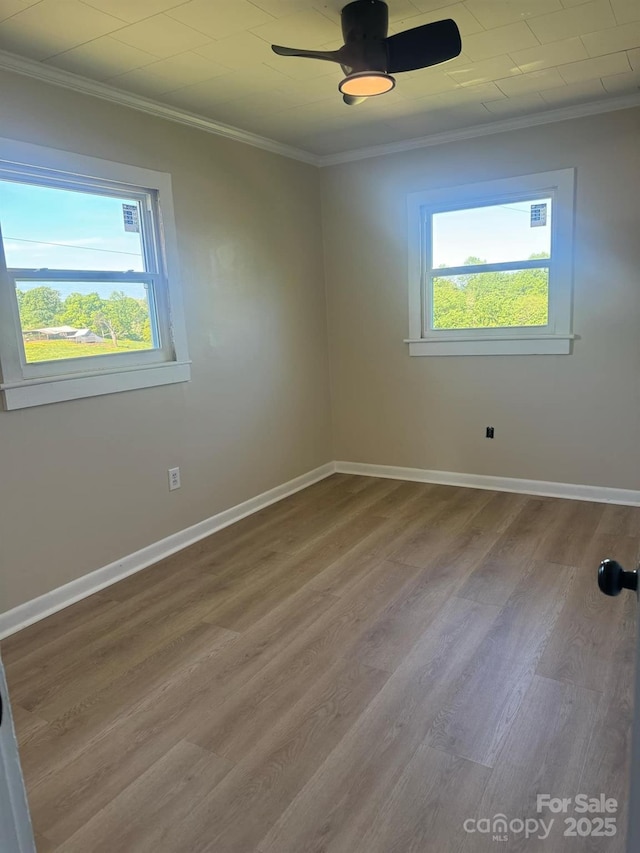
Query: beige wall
(572,419)
(85,482)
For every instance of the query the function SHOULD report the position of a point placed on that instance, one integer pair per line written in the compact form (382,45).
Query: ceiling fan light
(367,84)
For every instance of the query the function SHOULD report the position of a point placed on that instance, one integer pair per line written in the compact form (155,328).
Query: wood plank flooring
(359,668)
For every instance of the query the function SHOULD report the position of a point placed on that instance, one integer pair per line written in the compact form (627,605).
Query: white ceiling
(213,58)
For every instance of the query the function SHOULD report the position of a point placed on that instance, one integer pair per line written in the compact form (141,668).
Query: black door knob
(612,578)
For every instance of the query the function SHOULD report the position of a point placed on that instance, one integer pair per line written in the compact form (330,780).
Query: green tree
(82,310)
(491,299)
(39,307)
(123,316)
(146,327)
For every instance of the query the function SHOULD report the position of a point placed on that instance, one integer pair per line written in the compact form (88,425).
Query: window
(491,267)
(89,289)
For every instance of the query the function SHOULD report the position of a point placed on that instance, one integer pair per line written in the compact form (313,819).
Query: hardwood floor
(357,669)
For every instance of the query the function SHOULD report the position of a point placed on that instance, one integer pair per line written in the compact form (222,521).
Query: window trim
(556,337)
(23,385)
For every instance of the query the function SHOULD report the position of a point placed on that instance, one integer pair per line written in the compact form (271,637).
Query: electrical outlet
(489,432)
(174,479)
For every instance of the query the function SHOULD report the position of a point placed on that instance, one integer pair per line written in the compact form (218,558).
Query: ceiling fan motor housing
(365,24)
(365,19)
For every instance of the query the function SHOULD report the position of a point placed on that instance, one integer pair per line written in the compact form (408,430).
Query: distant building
(50,333)
(86,336)
(63,333)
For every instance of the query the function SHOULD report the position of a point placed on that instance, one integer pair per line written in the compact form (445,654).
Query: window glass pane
(491,300)
(513,231)
(73,319)
(51,228)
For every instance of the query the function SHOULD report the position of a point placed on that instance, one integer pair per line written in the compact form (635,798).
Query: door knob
(612,578)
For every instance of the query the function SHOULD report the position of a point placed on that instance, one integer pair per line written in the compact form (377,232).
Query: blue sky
(51,228)
(497,233)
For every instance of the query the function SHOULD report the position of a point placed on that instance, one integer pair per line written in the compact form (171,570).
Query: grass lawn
(53,350)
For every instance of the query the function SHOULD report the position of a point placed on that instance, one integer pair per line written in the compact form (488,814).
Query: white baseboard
(576,492)
(32,611)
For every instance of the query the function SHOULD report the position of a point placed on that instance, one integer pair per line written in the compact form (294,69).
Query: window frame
(24,384)
(556,336)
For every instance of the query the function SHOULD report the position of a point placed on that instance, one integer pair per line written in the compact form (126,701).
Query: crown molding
(47,74)
(503,126)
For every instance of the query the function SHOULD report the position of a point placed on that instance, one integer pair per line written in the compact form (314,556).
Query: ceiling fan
(369,57)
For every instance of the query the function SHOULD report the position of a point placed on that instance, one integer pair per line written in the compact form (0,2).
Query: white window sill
(40,392)
(492,345)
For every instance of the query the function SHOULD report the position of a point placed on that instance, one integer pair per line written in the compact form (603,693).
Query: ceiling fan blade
(329,55)
(423,46)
